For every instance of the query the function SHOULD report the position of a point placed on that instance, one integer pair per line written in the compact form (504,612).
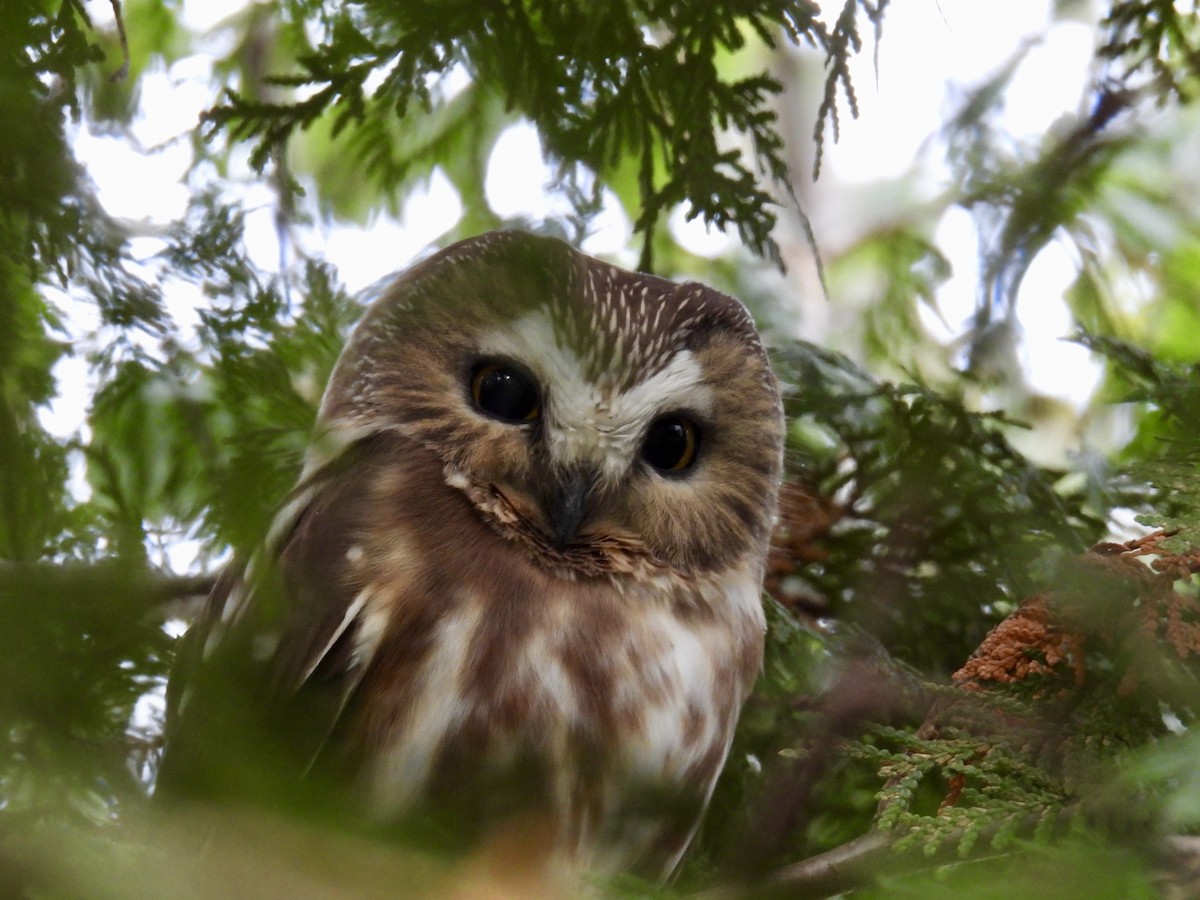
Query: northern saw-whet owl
(521,572)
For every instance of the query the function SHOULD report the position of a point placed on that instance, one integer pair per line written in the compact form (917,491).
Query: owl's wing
(265,672)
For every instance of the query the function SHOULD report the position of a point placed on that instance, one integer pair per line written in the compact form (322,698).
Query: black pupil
(670,444)
(506,394)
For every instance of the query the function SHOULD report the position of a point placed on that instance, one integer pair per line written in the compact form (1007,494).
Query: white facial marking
(593,422)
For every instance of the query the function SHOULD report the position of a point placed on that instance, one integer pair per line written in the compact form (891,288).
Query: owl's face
(597,415)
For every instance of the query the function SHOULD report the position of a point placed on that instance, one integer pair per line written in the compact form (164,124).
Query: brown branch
(836,870)
(140,589)
(857,863)
(122,73)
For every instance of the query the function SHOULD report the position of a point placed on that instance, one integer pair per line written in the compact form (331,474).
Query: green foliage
(1164,454)
(899,268)
(631,83)
(1078,870)
(214,437)
(64,751)
(1157,42)
(934,506)
(1028,748)
(938,529)
(1002,794)
(455,135)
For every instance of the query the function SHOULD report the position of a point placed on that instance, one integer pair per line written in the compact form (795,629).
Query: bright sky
(923,41)
(967,41)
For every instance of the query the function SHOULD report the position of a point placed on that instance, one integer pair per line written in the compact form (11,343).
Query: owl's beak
(566,503)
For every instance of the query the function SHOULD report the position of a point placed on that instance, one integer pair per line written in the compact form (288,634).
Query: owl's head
(596,414)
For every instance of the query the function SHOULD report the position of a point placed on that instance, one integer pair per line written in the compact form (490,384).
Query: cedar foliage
(957,671)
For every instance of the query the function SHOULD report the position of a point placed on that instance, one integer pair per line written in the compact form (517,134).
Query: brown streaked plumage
(520,575)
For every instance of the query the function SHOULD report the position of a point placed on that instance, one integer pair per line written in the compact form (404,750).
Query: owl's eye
(671,444)
(505,393)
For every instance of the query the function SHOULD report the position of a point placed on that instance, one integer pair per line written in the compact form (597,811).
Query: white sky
(931,50)
(923,42)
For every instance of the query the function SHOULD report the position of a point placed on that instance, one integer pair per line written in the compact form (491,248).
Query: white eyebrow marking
(590,421)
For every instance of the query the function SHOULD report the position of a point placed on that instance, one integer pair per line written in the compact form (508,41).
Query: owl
(519,578)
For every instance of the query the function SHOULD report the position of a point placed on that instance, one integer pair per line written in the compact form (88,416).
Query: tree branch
(137,588)
(824,875)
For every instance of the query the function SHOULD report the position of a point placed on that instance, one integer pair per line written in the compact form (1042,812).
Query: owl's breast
(493,685)
(610,707)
